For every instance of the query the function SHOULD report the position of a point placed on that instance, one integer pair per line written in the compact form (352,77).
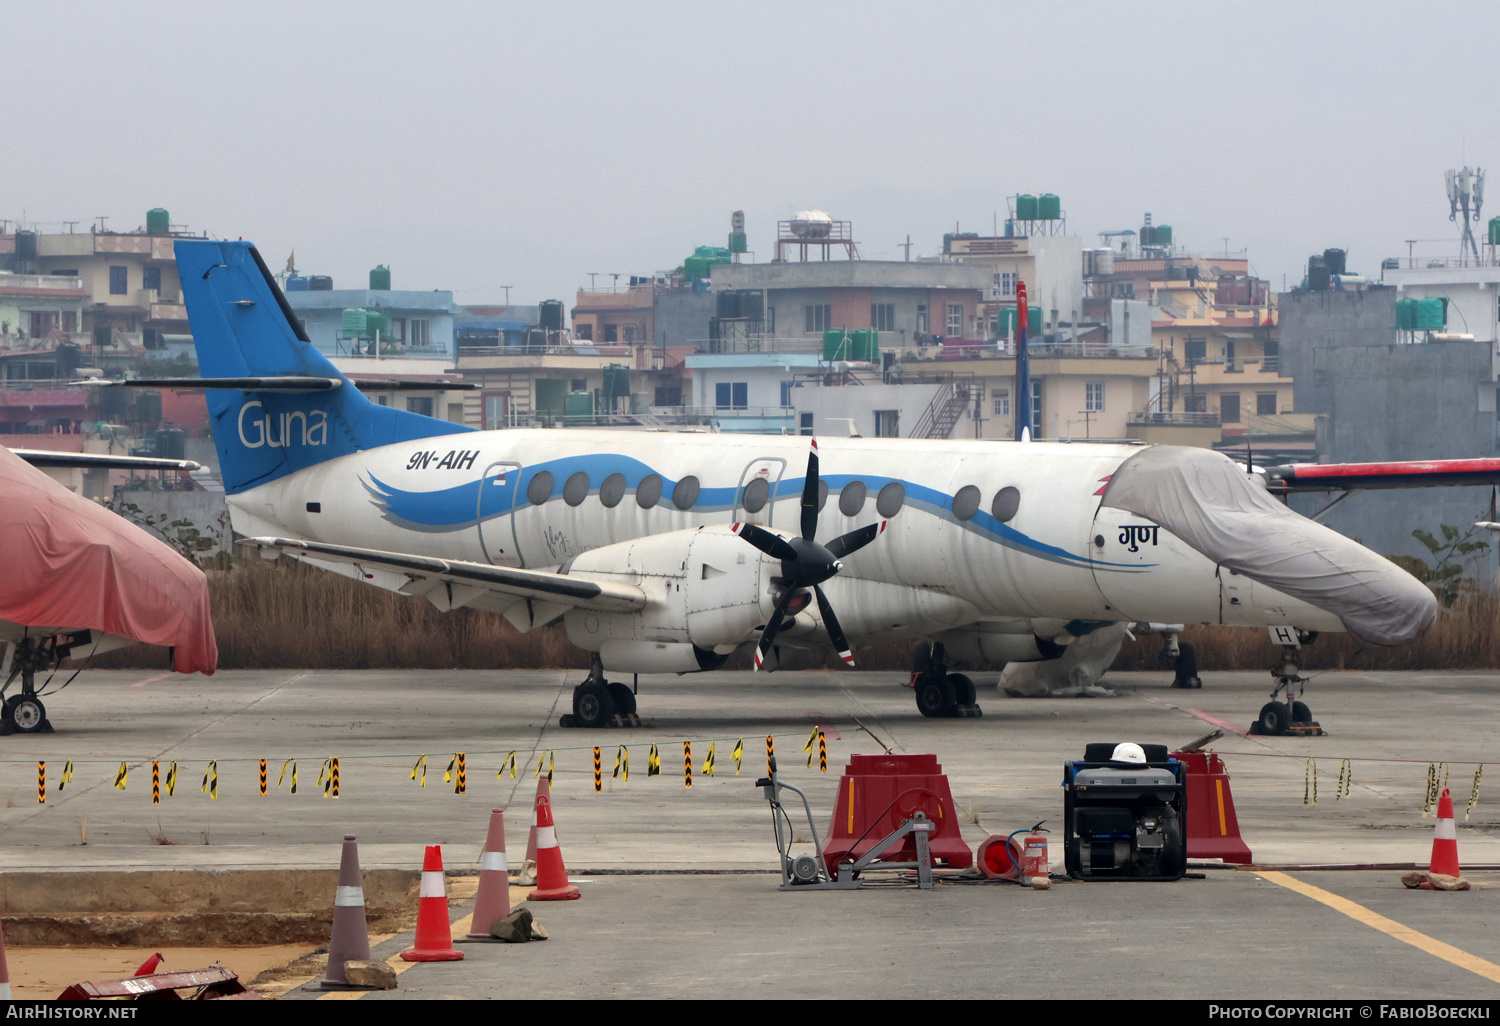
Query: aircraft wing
(452,583)
(1323,477)
(95,460)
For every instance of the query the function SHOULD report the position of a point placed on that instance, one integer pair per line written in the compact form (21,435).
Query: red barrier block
(877,793)
(1213,830)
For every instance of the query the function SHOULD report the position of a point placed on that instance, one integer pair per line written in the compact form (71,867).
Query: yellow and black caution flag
(807,746)
(770,754)
(262,778)
(326,773)
(461,780)
(171,778)
(1473,791)
(210,785)
(421,764)
(1310,782)
(545,757)
(448,773)
(708,763)
(281,779)
(121,776)
(1346,777)
(510,760)
(622,763)
(155,782)
(687,764)
(738,754)
(598,770)
(822,751)
(67,776)
(550,765)
(333,777)
(653,763)
(41,781)
(1430,796)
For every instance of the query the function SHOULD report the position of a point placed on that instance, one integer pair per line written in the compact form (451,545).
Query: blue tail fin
(242,326)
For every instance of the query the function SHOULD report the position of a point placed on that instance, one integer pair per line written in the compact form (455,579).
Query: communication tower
(1466,197)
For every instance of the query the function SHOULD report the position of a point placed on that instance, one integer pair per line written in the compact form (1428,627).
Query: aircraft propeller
(806,564)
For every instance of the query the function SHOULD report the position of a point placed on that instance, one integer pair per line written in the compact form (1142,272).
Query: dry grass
(285,615)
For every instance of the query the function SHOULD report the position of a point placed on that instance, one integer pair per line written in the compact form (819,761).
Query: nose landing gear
(601,703)
(1289,716)
(940,693)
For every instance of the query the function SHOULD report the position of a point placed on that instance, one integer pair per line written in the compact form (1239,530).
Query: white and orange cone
(434,941)
(1445,850)
(350,938)
(528,865)
(492,902)
(551,875)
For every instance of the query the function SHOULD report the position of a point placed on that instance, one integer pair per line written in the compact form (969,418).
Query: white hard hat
(1129,752)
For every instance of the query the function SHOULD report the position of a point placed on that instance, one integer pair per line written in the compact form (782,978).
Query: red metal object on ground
(1213,830)
(213,983)
(877,793)
(1000,857)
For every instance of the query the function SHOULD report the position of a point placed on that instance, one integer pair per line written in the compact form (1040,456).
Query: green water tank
(579,405)
(695,267)
(1163,235)
(866,345)
(355,322)
(551,396)
(616,380)
(157,222)
(1049,207)
(1494,235)
(1406,314)
(377,321)
(837,345)
(1432,314)
(380,279)
(1026,208)
(1005,324)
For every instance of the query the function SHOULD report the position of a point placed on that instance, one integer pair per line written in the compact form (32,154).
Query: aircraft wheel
(936,696)
(1273,718)
(624,698)
(592,705)
(26,714)
(1301,713)
(1187,667)
(963,689)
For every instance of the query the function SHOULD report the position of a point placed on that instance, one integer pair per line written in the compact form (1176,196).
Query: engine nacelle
(705,589)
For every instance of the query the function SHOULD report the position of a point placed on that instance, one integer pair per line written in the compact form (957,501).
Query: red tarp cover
(69,562)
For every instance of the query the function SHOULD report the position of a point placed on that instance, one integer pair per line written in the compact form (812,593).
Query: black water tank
(1334,259)
(148,406)
(320,283)
(753,305)
(1317,274)
(551,315)
(67,360)
(728,305)
(114,403)
(26,246)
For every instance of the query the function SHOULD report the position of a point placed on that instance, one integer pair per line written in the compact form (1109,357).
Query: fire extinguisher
(1034,853)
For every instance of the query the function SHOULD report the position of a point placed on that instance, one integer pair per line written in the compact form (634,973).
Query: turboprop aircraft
(664,553)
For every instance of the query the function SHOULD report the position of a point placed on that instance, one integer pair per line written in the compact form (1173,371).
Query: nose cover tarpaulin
(1210,503)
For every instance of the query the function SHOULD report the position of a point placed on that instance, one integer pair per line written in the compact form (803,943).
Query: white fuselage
(1049,558)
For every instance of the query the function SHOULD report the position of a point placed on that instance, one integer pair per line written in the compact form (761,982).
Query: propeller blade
(771,544)
(854,540)
(768,635)
(835,632)
(810,494)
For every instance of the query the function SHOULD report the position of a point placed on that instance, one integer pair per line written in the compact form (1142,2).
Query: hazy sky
(472,146)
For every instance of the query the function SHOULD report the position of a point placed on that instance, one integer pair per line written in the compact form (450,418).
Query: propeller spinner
(806,564)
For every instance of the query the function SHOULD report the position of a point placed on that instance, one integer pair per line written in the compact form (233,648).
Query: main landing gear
(601,703)
(940,693)
(23,713)
(1290,716)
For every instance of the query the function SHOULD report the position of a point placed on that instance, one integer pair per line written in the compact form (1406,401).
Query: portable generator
(1125,813)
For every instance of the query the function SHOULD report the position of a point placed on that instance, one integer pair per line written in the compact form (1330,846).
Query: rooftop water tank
(1049,207)
(1026,207)
(296,283)
(320,283)
(1335,260)
(812,224)
(157,222)
(380,279)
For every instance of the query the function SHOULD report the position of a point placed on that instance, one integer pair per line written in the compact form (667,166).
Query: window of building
(419,404)
(819,317)
(668,395)
(383,400)
(1197,350)
(806,424)
(496,409)
(119,280)
(786,393)
(1195,403)
(883,316)
(1272,355)
(70,321)
(1093,396)
(732,395)
(151,278)
(585,332)
(1002,404)
(887,423)
(1265,404)
(922,318)
(1229,407)
(397,331)
(611,333)
(578,385)
(42,322)
(954,324)
(629,333)
(421,334)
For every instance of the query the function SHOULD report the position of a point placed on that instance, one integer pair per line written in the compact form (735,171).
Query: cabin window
(852,498)
(648,492)
(612,490)
(1007,501)
(686,493)
(539,490)
(966,502)
(890,500)
(577,489)
(756,494)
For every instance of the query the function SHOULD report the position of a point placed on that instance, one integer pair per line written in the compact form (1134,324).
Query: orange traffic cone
(543,787)
(350,937)
(4,972)
(493,900)
(434,941)
(1445,848)
(551,875)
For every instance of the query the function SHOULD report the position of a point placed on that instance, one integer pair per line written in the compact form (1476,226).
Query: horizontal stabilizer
(562,589)
(284,383)
(1323,477)
(96,460)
